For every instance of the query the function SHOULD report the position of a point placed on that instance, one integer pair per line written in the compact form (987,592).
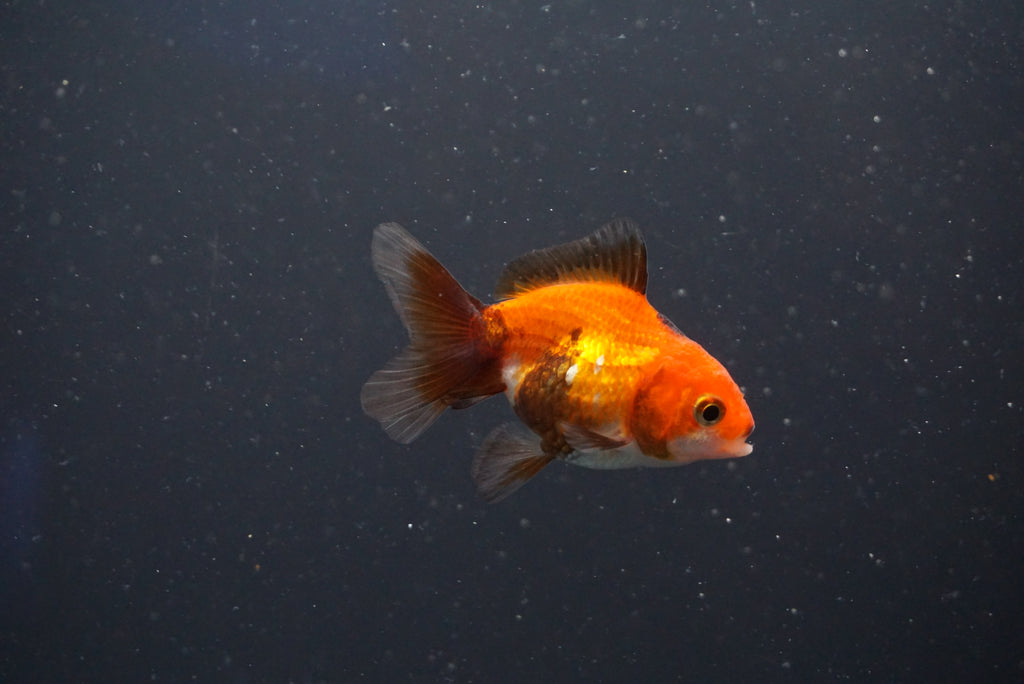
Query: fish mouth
(740,447)
(736,448)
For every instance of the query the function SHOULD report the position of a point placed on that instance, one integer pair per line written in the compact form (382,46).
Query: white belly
(628,456)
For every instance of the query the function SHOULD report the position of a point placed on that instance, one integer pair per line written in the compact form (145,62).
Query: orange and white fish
(600,378)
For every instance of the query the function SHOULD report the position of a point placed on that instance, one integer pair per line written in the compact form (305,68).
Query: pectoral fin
(585,439)
(505,461)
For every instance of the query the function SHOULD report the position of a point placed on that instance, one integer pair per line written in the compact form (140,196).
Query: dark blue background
(833,201)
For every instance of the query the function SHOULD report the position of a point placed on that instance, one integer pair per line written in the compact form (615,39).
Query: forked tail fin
(450,360)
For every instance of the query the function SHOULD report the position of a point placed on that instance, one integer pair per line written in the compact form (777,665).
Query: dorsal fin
(615,253)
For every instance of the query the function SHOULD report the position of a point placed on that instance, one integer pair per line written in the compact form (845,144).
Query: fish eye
(709,410)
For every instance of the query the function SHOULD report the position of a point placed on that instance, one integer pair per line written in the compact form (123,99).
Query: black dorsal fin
(614,253)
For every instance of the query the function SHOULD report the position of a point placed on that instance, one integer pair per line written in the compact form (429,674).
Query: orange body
(579,353)
(607,333)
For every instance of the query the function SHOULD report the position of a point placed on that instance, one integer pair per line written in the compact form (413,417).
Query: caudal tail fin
(450,361)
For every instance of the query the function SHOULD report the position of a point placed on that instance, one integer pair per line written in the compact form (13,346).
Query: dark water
(832,198)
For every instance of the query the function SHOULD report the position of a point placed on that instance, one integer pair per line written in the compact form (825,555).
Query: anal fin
(505,461)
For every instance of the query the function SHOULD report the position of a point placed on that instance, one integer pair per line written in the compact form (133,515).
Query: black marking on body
(542,400)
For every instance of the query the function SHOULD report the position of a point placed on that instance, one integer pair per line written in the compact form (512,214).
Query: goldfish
(597,377)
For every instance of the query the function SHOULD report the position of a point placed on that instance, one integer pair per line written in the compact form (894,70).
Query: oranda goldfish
(598,376)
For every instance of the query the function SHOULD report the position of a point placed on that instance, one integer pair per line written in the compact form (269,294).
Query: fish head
(687,412)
